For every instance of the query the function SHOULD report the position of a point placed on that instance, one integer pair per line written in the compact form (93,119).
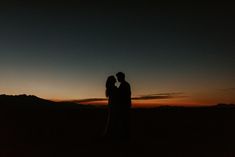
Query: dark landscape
(34,127)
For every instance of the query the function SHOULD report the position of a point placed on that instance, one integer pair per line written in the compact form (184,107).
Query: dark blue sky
(63,50)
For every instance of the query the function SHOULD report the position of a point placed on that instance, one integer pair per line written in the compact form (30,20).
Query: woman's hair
(109,83)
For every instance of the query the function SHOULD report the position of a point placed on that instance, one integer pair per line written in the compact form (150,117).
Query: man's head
(120,77)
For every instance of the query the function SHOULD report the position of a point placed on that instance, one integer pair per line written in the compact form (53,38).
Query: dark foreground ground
(74,131)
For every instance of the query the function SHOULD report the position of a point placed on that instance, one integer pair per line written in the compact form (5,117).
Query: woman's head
(111,80)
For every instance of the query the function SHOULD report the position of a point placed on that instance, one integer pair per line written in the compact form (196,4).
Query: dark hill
(33,102)
(23,99)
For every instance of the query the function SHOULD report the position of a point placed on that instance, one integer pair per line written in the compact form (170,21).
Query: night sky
(66,50)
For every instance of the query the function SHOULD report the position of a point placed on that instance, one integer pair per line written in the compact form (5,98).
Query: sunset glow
(67,54)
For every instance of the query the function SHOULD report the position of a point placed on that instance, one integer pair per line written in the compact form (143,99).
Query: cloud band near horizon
(142,97)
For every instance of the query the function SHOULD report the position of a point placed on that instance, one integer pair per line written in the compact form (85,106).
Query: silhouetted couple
(119,102)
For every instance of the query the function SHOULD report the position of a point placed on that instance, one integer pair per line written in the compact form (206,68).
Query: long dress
(112,126)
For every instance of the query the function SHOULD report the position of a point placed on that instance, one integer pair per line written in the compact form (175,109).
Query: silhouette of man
(124,92)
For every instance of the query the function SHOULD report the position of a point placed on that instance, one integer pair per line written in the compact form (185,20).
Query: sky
(65,50)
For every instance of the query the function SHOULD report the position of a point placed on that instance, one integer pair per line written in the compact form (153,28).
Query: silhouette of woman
(111,130)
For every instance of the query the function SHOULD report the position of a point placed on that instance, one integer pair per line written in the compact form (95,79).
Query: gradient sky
(61,50)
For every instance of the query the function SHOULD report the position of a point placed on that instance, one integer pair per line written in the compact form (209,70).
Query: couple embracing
(119,103)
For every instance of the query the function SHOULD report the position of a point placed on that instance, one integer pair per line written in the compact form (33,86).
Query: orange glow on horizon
(150,104)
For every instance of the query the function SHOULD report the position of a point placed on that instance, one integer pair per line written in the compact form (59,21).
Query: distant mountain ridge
(32,101)
(23,99)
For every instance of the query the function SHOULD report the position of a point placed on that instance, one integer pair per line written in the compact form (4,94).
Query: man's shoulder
(126,84)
